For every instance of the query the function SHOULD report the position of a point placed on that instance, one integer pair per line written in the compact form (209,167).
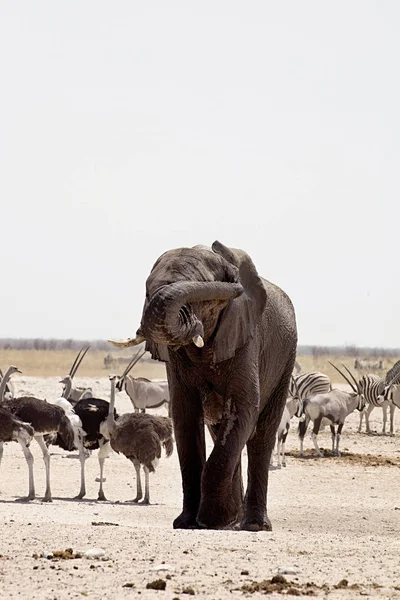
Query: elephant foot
(214,514)
(186,520)
(251,524)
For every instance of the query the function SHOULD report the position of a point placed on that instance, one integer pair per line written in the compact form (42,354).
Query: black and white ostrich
(45,418)
(14,430)
(139,436)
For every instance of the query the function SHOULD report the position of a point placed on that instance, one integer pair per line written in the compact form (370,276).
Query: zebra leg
(283,447)
(384,415)
(317,424)
(367,413)
(392,411)
(278,452)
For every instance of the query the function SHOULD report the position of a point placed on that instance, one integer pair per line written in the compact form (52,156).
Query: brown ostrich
(44,418)
(139,436)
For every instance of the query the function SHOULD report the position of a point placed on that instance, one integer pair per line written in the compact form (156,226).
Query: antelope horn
(133,362)
(78,361)
(353,378)
(344,377)
(74,363)
(129,342)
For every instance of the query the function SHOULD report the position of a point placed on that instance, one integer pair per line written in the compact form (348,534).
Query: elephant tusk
(128,343)
(198,341)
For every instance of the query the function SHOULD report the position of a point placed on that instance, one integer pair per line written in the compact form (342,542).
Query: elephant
(228,338)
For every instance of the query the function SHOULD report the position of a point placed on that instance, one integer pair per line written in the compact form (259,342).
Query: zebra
(390,394)
(372,387)
(308,384)
(368,363)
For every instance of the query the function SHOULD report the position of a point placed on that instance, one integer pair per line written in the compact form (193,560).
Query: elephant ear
(239,320)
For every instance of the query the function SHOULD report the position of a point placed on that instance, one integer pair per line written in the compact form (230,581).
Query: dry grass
(54,363)
(42,363)
(321,363)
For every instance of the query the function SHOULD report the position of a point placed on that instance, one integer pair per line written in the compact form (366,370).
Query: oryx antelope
(74,394)
(9,391)
(330,408)
(143,392)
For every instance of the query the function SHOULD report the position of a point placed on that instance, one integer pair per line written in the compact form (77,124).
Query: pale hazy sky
(131,127)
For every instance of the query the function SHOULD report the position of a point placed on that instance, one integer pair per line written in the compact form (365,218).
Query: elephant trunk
(169,317)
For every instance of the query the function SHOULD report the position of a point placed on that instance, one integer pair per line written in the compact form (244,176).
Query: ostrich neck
(110,418)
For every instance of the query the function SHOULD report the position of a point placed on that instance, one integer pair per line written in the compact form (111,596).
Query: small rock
(189,590)
(157,584)
(129,584)
(94,553)
(287,571)
(163,567)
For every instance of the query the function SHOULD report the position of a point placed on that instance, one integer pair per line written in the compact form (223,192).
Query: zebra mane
(393,375)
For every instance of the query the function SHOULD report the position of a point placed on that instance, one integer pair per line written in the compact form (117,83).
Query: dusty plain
(336,525)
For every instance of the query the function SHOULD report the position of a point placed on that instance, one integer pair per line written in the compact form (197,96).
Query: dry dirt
(336,526)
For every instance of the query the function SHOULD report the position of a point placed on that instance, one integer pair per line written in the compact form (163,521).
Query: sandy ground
(333,519)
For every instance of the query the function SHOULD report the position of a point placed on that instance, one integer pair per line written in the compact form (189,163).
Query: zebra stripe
(372,387)
(309,384)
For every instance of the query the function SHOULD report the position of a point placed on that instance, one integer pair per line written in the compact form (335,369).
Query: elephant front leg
(221,491)
(259,451)
(187,416)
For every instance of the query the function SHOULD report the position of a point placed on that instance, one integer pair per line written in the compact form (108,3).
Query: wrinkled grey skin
(236,384)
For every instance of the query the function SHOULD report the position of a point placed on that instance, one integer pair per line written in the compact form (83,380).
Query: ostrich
(14,430)
(93,413)
(73,395)
(139,437)
(44,418)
